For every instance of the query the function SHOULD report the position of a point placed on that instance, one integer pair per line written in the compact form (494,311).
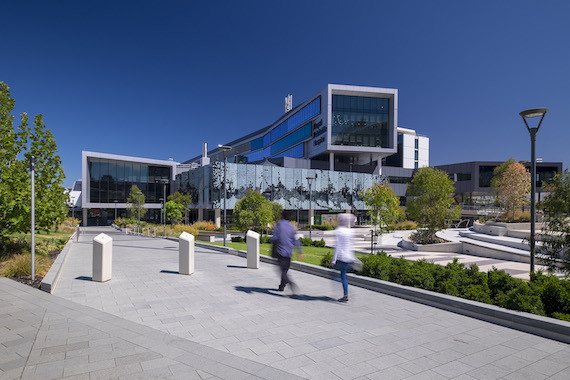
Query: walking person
(284,239)
(343,251)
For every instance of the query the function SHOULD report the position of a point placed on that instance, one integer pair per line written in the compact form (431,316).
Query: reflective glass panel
(361,121)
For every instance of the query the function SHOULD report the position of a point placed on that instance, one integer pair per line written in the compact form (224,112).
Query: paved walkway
(236,311)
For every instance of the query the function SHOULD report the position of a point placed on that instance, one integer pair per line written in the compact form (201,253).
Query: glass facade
(361,121)
(293,122)
(295,152)
(291,139)
(111,180)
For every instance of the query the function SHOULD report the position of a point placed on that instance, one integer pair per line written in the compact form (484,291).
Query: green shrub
(318,243)
(554,293)
(306,242)
(237,239)
(265,240)
(327,260)
(323,227)
(524,297)
(406,225)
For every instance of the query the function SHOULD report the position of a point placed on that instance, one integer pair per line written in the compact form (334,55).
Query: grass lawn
(313,255)
(42,235)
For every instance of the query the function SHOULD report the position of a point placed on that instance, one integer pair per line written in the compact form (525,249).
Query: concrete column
(85,217)
(312,216)
(102,258)
(218,217)
(331,161)
(186,253)
(252,240)
(200,214)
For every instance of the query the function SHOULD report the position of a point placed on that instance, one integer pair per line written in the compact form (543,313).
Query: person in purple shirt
(284,239)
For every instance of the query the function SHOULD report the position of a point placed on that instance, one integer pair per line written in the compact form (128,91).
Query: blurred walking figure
(343,251)
(284,239)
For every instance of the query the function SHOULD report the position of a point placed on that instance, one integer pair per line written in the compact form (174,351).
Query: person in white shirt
(343,251)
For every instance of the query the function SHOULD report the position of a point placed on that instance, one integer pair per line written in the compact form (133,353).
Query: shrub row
(543,295)
(307,242)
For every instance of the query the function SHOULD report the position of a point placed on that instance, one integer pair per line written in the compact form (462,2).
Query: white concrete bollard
(252,239)
(102,258)
(186,253)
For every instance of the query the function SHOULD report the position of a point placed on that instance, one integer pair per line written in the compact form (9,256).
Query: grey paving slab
(60,342)
(234,316)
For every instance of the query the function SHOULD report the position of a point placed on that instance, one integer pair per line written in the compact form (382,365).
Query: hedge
(544,295)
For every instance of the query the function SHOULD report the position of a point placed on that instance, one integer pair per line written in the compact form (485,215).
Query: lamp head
(535,112)
(224,148)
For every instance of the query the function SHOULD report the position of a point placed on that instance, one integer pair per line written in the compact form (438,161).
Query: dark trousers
(284,264)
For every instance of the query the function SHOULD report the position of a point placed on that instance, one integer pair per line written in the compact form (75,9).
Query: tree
(555,249)
(384,206)
(498,177)
(181,205)
(430,199)
(135,203)
(174,211)
(253,211)
(17,146)
(512,185)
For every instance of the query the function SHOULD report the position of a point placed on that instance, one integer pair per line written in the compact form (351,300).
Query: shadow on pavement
(170,271)
(273,292)
(84,278)
(237,266)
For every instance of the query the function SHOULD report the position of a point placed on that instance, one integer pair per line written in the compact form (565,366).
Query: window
(416,154)
(291,123)
(416,143)
(361,121)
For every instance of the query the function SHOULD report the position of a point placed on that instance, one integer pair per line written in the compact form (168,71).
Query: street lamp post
(116,210)
(532,113)
(164,182)
(310,179)
(33,216)
(225,148)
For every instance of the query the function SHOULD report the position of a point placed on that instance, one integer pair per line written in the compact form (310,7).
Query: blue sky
(157,79)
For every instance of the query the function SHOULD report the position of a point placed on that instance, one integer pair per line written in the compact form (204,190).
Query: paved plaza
(227,321)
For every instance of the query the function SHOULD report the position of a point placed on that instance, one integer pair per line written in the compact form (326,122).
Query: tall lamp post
(33,216)
(164,182)
(225,148)
(116,209)
(310,179)
(532,113)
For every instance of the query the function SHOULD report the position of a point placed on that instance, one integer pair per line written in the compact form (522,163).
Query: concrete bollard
(252,239)
(102,258)
(186,253)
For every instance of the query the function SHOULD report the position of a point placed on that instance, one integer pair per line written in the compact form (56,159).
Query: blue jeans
(343,267)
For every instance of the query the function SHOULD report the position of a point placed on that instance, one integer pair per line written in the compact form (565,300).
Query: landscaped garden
(15,252)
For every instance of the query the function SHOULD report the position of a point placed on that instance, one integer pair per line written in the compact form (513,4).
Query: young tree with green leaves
(16,148)
(253,211)
(498,177)
(179,206)
(555,249)
(430,196)
(174,211)
(135,203)
(384,207)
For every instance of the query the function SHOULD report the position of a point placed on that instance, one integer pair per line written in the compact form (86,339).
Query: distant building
(107,180)
(473,179)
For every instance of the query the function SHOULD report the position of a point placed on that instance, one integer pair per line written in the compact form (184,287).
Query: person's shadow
(274,292)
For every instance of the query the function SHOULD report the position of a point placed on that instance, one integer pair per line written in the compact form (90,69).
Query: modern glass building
(107,181)
(339,126)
